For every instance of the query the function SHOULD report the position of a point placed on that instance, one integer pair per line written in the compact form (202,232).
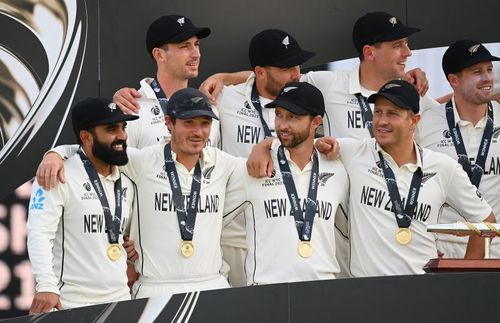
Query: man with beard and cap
(291,220)
(75,230)
(398,188)
(185,191)
(466,128)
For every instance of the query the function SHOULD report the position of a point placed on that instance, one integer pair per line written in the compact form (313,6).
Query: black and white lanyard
(112,222)
(366,113)
(304,219)
(475,172)
(187,218)
(403,217)
(160,95)
(256,103)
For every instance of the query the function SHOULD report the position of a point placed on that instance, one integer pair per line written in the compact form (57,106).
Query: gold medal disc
(305,249)
(187,249)
(114,252)
(403,236)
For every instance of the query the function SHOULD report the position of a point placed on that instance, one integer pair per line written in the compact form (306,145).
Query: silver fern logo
(324,177)
(426,177)
(112,106)
(207,173)
(181,21)
(473,49)
(286,42)
(393,21)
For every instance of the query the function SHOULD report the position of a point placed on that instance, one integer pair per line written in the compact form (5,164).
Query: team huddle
(266,176)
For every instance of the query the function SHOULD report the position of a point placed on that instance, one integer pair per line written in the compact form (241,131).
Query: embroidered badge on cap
(180,21)
(393,21)
(391,85)
(289,88)
(112,106)
(473,49)
(286,42)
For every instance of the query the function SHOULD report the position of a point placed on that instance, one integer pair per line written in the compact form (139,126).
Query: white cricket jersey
(272,237)
(155,230)
(372,224)
(240,129)
(343,116)
(433,133)
(67,239)
(150,128)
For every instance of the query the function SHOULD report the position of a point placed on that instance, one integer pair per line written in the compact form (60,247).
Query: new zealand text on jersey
(95,223)
(279,207)
(248,134)
(206,203)
(378,198)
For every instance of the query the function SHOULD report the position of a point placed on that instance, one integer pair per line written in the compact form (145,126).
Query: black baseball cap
(399,92)
(274,47)
(172,29)
(97,111)
(189,103)
(465,53)
(300,98)
(376,27)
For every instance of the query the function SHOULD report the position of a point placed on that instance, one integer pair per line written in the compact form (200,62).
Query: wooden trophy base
(443,265)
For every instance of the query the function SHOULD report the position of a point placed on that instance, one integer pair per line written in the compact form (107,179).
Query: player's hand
(328,146)
(445,98)
(212,87)
(44,302)
(128,245)
(132,275)
(126,99)
(50,171)
(259,163)
(418,78)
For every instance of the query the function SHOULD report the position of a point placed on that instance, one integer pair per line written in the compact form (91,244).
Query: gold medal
(305,249)
(114,251)
(187,248)
(403,236)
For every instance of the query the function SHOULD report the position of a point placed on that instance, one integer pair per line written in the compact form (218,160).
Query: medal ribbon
(112,222)
(256,103)
(160,95)
(403,217)
(187,219)
(366,113)
(304,219)
(475,172)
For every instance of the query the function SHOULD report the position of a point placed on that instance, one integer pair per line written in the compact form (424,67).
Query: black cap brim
(403,32)
(476,60)
(201,33)
(394,99)
(117,119)
(294,60)
(289,106)
(194,113)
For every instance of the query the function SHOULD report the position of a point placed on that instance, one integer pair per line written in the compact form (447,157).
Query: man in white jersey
(75,230)
(173,42)
(275,57)
(184,190)
(467,126)
(291,221)
(398,188)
